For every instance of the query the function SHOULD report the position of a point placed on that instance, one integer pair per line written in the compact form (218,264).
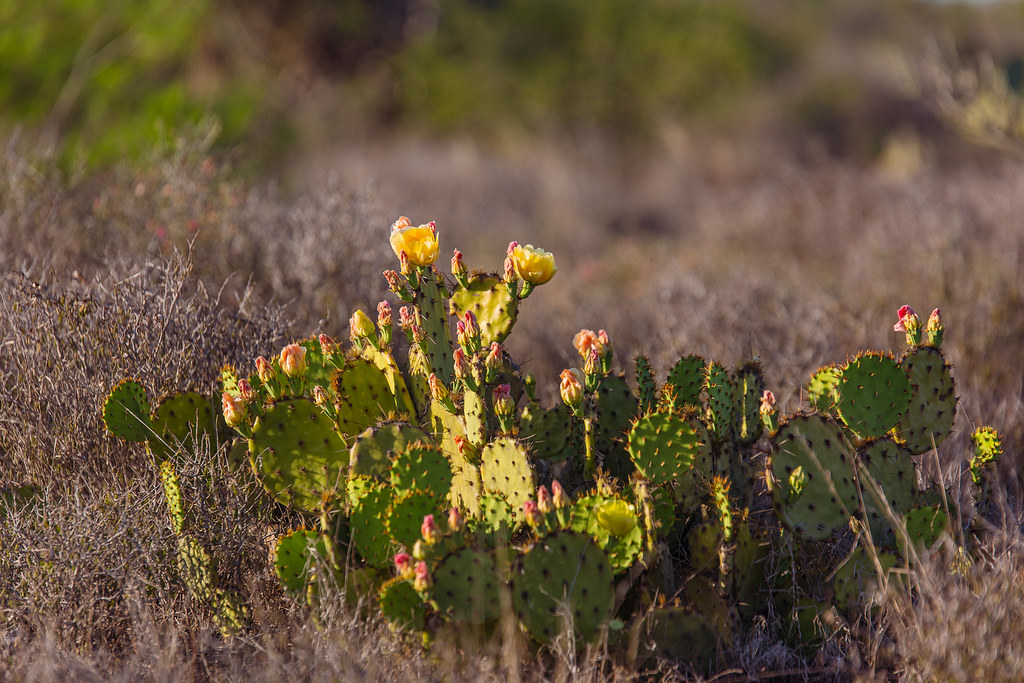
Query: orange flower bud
(293,360)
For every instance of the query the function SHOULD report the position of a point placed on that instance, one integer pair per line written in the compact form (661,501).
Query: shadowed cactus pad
(402,605)
(294,559)
(563,580)
(299,456)
(369,524)
(891,467)
(821,389)
(177,420)
(873,393)
(928,419)
(405,516)
(466,587)
(816,445)
(687,376)
(126,412)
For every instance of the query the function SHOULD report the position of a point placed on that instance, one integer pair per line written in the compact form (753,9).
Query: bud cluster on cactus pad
(688,511)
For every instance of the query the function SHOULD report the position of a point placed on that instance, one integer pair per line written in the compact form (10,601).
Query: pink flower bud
(558,495)
(320,396)
(767,403)
(511,247)
(592,364)
(544,502)
(403,563)
(471,326)
(327,345)
(431,534)
(405,318)
(532,514)
(586,341)
(422,581)
(418,335)
(907,319)
(234,409)
(460,333)
(264,370)
(403,262)
(395,283)
(455,521)
(463,368)
(245,391)
(384,314)
(494,357)
(458,266)
(438,392)
(293,360)
(571,387)
(510,270)
(503,403)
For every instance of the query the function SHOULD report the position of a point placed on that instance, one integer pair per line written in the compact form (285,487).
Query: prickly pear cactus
(928,418)
(126,412)
(664,446)
(466,587)
(505,469)
(874,391)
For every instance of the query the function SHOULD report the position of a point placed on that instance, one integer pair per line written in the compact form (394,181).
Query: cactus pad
(495,514)
(817,446)
(683,634)
(294,559)
(126,412)
(195,565)
(404,517)
(421,466)
(622,549)
(230,613)
(874,391)
(402,605)
(925,525)
(857,583)
(373,450)
(177,420)
(505,469)
(369,525)
(466,587)
(616,409)
(664,446)
(363,396)
(748,385)
(687,376)
(928,419)
(546,431)
(495,308)
(721,398)
(300,457)
(821,389)
(172,491)
(563,580)
(891,467)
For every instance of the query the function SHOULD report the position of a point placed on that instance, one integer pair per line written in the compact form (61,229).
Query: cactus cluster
(667,520)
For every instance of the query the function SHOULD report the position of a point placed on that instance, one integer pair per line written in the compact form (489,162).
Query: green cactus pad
(363,396)
(622,550)
(664,446)
(404,517)
(423,467)
(495,308)
(857,583)
(748,386)
(704,543)
(891,467)
(505,469)
(294,559)
(929,415)
(466,587)
(687,376)
(195,566)
(817,446)
(402,605)
(373,450)
(299,456)
(319,369)
(172,491)
(874,391)
(495,514)
(616,408)
(126,412)
(369,525)
(694,485)
(177,420)
(925,525)
(680,633)
(564,579)
(546,431)
(466,487)
(721,398)
(229,380)
(385,361)
(748,563)
(647,387)
(230,612)
(822,388)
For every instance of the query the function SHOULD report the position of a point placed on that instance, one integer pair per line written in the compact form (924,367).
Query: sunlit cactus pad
(873,392)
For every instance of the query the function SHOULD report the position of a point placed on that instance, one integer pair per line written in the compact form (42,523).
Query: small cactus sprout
(419,243)
(403,563)
(571,388)
(264,370)
(234,409)
(431,534)
(558,496)
(769,414)
(421,583)
(935,328)
(535,266)
(532,513)
(544,502)
(293,360)
(245,391)
(910,323)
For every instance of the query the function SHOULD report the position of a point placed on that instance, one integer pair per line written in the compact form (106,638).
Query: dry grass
(704,248)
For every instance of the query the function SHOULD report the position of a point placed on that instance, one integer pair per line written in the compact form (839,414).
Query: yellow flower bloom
(533,265)
(617,517)
(418,242)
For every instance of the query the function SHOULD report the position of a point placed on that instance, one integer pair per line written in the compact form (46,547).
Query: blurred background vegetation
(100,81)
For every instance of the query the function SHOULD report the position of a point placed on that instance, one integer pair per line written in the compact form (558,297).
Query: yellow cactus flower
(418,242)
(617,517)
(533,265)
(360,325)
